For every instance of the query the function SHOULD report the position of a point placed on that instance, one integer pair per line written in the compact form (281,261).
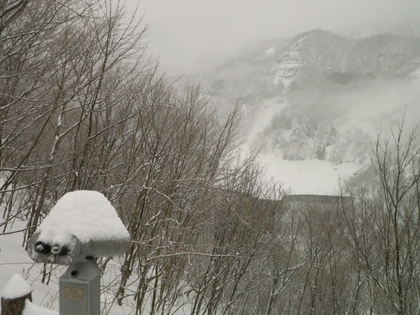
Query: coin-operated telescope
(81,226)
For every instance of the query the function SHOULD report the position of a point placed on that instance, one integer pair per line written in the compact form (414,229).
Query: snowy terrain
(16,287)
(299,176)
(308,176)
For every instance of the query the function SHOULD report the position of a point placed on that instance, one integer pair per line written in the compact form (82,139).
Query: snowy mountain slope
(317,60)
(320,97)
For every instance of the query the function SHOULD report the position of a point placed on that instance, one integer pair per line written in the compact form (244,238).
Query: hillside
(320,96)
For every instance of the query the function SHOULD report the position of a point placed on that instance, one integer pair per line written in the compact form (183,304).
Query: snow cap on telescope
(85,214)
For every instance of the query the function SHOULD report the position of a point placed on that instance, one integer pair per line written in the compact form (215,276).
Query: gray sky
(190,34)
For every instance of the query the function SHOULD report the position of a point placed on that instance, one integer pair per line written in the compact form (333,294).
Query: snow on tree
(16,287)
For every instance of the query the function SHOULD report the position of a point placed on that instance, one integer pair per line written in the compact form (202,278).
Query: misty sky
(188,33)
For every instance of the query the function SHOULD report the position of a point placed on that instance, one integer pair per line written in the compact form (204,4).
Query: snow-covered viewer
(82,225)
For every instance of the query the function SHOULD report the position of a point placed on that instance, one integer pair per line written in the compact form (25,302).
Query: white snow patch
(16,288)
(302,176)
(31,309)
(307,176)
(287,82)
(260,117)
(269,52)
(88,215)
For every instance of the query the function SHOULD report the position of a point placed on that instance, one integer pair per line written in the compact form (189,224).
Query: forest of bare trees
(83,107)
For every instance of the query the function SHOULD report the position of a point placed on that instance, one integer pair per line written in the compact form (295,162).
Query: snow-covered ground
(299,176)
(307,176)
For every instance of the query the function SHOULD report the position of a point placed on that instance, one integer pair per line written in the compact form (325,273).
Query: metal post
(68,236)
(80,289)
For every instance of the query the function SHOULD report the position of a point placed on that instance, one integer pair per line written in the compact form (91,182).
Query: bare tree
(384,227)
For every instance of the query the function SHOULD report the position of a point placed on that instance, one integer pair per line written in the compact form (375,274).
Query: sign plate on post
(80,289)
(73,293)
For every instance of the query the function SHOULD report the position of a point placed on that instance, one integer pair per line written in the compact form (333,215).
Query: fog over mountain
(191,35)
(319,95)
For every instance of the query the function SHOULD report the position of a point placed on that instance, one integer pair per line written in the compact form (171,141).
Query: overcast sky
(188,33)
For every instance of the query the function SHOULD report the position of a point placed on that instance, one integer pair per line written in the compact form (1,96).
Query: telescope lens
(42,248)
(59,250)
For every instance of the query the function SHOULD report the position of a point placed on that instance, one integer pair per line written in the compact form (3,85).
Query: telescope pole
(80,289)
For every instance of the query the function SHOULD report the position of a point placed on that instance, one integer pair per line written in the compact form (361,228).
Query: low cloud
(189,33)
